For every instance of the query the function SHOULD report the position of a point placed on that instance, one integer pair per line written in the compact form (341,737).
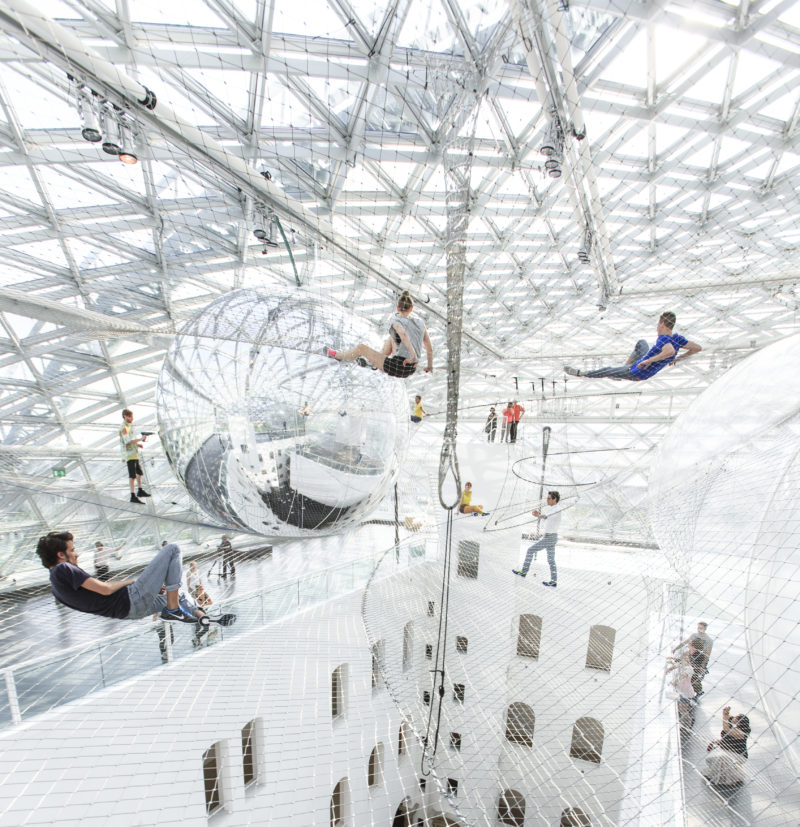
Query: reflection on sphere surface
(231,395)
(725,509)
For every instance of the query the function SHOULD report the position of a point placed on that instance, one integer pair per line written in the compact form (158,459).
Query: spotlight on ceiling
(586,246)
(111,130)
(90,121)
(127,152)
(553,147)
(266,226)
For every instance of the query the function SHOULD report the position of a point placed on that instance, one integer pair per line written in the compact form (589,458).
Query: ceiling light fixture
(586,246)
(553,147)
(111,129)
(266,227)
(127,141)
(90,120)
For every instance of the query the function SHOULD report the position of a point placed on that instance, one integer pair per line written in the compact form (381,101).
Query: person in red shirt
(507,417)
(516,414)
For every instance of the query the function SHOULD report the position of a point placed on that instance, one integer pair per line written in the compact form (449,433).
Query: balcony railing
(35,686)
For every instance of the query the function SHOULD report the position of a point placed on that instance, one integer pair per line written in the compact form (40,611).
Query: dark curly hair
(50,545)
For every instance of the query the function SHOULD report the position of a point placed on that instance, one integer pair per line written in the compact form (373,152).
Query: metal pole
(13,700)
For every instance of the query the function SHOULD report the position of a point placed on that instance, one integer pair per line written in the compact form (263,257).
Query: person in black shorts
(400,355)
(130,455)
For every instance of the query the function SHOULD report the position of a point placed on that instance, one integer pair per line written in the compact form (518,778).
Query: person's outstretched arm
(94,585)
(426,341)
(691,348)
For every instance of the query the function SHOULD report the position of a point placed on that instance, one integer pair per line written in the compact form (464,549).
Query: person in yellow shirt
(419,411)
(466,507)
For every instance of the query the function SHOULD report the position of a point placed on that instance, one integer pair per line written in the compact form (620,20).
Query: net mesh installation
(198,200)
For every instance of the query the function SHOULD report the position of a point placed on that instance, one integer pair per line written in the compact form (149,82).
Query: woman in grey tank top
(401,353)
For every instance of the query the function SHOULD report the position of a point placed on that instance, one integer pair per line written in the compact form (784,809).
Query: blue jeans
(623,371)
(163,570)
(549,542)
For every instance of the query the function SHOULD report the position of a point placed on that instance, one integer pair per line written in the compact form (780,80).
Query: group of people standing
(728,753)
(511,417)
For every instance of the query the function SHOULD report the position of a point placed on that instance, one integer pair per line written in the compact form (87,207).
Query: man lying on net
(123,599)
(644,363)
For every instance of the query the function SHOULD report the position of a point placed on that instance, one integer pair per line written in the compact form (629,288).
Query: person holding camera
(130,455)
(727,754)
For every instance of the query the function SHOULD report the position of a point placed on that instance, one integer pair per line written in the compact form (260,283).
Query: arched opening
(511,808)
(587,740)
(403,738)
(340,804)
(403,814)
(574,817)
(375,767)
(600,652)
(529,636)
(338,690)
(520,722)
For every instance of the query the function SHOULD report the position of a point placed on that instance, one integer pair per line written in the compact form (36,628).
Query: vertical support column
(13,700)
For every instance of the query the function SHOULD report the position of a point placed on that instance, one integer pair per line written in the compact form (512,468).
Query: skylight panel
(791,16)
(34,106)
(426,27)
(629,66)
(67,192)
(370,13)
(17,181)
(57,9)
(89,256)
(311,18)
(176,14)
(229,87)
(751,71)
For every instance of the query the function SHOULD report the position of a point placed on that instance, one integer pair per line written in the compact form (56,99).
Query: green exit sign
(59,472)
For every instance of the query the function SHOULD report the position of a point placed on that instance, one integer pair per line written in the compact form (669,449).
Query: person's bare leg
(172,600)
(472,509)
(372,356)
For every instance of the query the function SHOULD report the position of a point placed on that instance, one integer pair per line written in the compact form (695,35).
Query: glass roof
(681,154)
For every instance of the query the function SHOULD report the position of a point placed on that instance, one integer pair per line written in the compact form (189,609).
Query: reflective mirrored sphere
(265,431)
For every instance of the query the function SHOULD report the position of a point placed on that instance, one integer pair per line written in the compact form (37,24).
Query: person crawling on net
(123,599)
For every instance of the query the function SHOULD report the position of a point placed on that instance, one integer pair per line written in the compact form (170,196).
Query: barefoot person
(400,355)
(466,506)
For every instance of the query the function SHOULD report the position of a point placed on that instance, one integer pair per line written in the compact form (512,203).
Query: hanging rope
(457,118)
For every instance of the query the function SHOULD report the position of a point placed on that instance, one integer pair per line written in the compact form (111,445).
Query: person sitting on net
(124,599)
(466,507)
(196,588)
(727,754)
(400,355)
(643,363)
(419,411)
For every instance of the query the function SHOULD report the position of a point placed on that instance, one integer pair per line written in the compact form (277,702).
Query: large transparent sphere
(725,508)
(266,432)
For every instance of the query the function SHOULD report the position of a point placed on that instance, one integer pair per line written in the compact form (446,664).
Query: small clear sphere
(268,433)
